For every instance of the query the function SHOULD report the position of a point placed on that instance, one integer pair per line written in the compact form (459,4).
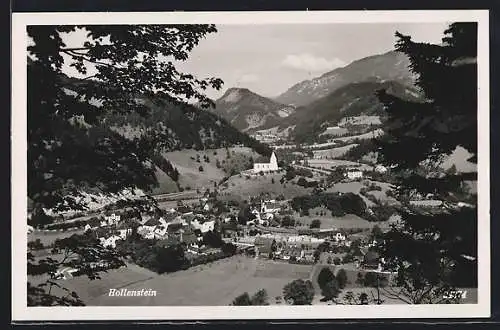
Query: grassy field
(350,187)
(47,238)
(333,152)
(213,284)
(328,164)
(240,188)
(347,221)
(188,167)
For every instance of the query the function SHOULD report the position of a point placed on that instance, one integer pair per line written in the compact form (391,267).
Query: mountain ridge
(249,111)
(391,65)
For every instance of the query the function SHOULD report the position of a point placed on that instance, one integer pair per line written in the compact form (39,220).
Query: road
(191,194)
(313,169)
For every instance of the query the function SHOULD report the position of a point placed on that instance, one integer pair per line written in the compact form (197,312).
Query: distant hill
(379,68)
(249,111)
(356,99)
(184,126)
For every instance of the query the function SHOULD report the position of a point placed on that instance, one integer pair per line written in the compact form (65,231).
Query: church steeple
(273,160)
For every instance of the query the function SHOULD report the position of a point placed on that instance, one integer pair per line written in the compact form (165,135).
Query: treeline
(160,257)
(187,127)
(166,166)
(364,147)
(338,204)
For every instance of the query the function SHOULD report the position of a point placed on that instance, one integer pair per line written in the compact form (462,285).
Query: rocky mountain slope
(391,66)
(249,111)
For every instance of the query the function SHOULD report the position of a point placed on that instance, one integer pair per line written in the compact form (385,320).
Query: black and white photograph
(300,164)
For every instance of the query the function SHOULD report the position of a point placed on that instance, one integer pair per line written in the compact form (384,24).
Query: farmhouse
(380,169)
(267,167)
(354,174)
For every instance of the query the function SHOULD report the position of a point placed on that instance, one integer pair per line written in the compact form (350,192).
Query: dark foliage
(339,205)
(299,292)
(433,252)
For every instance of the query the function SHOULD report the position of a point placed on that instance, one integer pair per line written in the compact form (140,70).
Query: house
(339,237)
(270,206)
(354,174)
(264,246)
(110,241)
(371,260)
(380,169)
(188,237)
(267,167)
(203,227)
(430,203)
(113,219)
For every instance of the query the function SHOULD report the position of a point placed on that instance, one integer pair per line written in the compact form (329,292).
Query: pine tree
(433,252)
(70,146)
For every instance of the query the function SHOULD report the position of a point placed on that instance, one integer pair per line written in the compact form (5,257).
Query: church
(267,167)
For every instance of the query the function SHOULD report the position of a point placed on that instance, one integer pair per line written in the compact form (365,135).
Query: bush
(315,224)
(342,278)
(36,245)
(200,168)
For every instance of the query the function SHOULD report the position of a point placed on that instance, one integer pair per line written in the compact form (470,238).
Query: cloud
(248,78)
(308,62)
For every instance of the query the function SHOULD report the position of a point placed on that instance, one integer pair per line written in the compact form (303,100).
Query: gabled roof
(173,227)
(152,222)
(263,241)
(189,238)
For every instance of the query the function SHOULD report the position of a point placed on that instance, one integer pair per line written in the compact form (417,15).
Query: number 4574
(456,294)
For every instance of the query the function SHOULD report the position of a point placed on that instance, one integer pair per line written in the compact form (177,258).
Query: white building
(110,241)
(354,174)
(339,237)
(380,169)
(267,167)
(203,227)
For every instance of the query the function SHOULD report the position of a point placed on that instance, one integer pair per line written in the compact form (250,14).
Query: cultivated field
(369,135)
(347,221)
(328,164)
(333,152)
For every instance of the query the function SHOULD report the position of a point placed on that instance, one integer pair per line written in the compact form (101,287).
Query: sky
(268,59)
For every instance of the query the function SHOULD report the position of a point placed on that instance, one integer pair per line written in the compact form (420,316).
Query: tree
(433,253)
(200,168)
(376,232)
(316,255)
(325,276)
(245,214)
(315,223)
(287,221)
(70,146)
(242,300)
(299,292)
(330,290)
(341,278)
(260,298)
